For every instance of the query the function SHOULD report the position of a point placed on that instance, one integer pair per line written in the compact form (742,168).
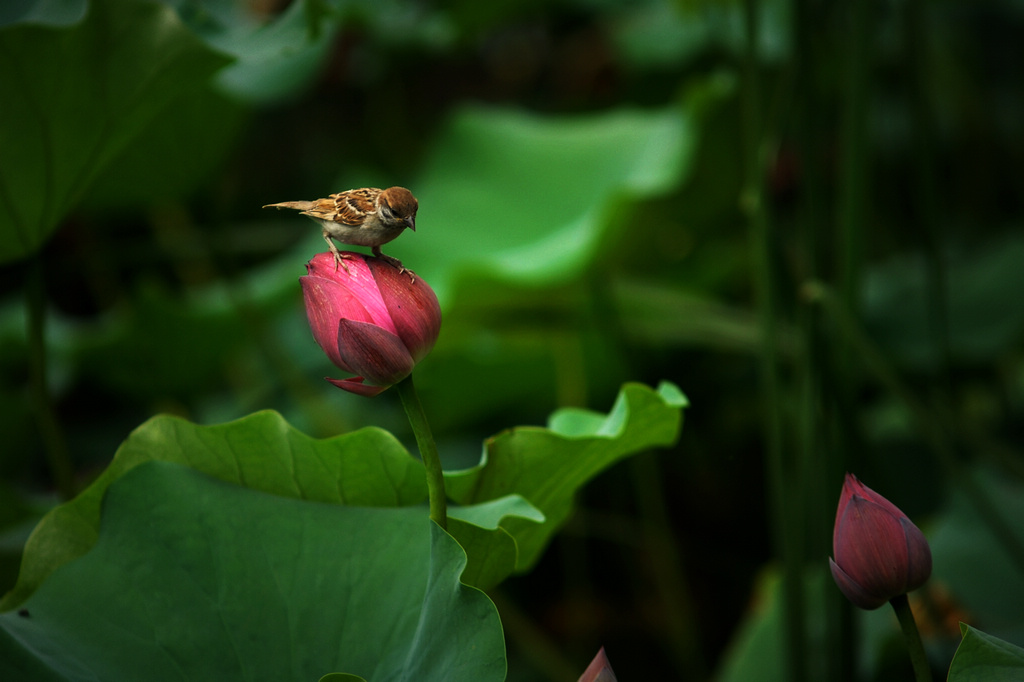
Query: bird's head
(398,205)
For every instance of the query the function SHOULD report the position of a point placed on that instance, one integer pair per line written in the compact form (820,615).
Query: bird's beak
(411,223)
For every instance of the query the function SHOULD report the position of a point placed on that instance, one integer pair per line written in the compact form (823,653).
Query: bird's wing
(352,207)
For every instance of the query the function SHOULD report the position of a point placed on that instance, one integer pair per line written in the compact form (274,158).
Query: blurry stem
(925,194)
(918,658)
(682,630)
(570,372)
(752,203)
(851,218)
(935,428)
(853,202)
(428,451)
(54,445)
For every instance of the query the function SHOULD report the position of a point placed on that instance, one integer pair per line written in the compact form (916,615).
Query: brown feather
(297,205)
(351,207)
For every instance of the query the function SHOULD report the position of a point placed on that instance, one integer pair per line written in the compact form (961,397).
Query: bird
(363,217)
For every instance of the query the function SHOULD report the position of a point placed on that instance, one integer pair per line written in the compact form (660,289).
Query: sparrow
(363,217)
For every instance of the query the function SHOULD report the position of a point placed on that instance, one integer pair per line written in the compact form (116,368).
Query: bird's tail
(297,205)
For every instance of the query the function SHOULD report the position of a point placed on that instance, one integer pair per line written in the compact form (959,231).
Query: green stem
(841,636)
(924,191)
(428,451)
(57,456)
(922,671)
(681,627)
(786,524)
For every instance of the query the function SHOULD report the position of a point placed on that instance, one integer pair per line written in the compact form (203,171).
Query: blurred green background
(806,214)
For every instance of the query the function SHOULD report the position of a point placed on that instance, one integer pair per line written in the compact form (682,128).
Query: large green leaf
(531,198)
(655,34)
(547,466)
(42,12)
(491,550)
(984,658)
(261,452)
(75,97)
(191,138)
(499,524)
(278,56)
(275,57)
(196,579)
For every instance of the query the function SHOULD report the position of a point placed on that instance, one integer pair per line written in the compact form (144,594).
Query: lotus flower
(599,670)
(879,552)
(371,319)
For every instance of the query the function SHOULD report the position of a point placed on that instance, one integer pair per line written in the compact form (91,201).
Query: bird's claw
(340,260)
(394,262)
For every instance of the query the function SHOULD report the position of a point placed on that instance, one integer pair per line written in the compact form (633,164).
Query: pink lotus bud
(879,552)
(371,319)
(599,670)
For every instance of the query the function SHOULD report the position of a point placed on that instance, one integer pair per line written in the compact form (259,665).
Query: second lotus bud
(879,552)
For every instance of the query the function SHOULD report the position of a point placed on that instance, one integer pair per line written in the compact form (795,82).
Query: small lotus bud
(879,552)
(599,670)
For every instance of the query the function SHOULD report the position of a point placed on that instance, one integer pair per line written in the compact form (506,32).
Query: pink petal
(327,303)
(373,353)
(599,670)
(857,595)
(412,305)
(852,486)
(357,279)
(356,385)
(920,556)
(871,547)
